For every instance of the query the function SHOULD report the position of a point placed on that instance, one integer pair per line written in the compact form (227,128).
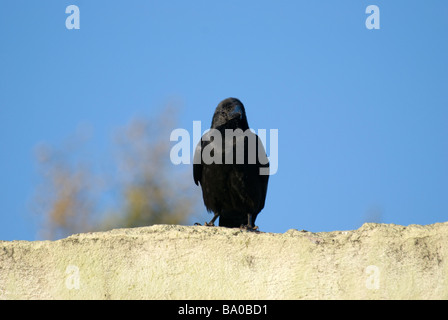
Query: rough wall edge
(376,261)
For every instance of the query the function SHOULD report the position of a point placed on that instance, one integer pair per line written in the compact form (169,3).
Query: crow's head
(230,113)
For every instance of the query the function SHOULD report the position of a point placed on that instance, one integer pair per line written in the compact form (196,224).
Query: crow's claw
(207,224)
(249,228)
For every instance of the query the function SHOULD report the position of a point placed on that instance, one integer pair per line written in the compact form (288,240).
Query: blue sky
(361,114)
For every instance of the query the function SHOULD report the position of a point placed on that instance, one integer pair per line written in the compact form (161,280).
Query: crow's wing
(263,164)
(197,163)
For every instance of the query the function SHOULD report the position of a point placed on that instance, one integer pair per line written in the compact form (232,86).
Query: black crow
(231,165)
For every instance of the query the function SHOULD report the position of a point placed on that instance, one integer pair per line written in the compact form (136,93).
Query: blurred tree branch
(147,189)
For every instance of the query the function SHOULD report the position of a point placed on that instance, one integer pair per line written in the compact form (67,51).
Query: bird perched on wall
(231,165)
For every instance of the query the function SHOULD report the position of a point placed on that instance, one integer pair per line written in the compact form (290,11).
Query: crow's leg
(249,226)
(211,223)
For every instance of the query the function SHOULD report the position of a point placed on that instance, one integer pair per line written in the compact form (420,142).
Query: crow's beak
(237,113)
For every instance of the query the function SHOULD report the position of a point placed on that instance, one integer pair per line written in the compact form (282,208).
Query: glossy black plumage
(236,191)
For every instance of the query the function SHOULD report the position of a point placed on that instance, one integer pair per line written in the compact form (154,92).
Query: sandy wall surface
(377,261)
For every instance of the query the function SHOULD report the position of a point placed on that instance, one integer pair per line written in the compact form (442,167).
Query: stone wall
(377,261)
